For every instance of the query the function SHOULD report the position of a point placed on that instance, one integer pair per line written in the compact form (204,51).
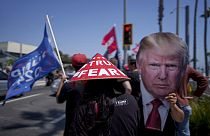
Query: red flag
(110,40)
(135,49)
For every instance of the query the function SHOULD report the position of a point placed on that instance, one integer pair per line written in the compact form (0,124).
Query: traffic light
(127,34)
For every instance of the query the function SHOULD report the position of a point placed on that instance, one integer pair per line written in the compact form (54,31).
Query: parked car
(3,83)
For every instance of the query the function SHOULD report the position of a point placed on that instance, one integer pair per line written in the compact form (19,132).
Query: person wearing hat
(102,111)
(71,92)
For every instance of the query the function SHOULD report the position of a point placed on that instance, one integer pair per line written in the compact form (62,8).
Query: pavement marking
(23,97)
(58,119)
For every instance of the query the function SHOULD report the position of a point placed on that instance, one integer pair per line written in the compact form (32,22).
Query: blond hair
(176,47)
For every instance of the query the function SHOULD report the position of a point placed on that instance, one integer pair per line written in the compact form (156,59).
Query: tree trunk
(160,18)
(195,33)
(205,38)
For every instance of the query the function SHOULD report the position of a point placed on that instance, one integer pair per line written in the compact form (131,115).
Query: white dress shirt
(147,106)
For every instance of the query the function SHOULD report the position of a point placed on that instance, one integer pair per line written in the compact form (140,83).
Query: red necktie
(154,121)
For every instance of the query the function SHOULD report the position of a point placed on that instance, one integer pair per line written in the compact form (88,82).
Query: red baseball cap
(79,59)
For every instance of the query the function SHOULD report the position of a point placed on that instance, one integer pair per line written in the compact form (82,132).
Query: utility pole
(187,37)
(160,18)
(195,35)
(124,15)
(125,48)
(205,38)
(177,17)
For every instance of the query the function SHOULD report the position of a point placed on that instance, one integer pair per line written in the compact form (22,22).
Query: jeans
(183,127)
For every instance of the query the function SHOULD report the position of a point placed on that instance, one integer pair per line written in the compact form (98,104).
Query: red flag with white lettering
(110,40)
(98,68)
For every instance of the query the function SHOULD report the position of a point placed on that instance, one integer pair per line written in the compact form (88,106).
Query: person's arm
(59,96)
(122,86)
(127,86)
(202,81)
(176,113)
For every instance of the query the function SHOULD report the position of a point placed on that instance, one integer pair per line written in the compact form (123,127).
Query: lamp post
(195,35)
(177,17)
(205,37)
(125,48)
(187,35)
(160,18)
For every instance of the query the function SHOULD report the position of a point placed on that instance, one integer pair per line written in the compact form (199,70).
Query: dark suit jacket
(125,120)
(169,129)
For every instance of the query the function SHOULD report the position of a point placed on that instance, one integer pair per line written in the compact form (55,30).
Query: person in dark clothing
(104,113)
(96,108)
(50,79)
(126,117)
(71,92)
(161,62)
(134,77)
(126,83)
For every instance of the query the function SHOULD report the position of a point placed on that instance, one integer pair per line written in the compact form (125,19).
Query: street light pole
(160,18)
(177,17)
(195,35)
(124,13)
(187,26)
(125,48)
(205,39)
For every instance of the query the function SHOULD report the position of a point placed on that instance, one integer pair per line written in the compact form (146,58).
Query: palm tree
(160,11)
(194,35)
(205,15)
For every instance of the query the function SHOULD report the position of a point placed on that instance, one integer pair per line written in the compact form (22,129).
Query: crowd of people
(151,99)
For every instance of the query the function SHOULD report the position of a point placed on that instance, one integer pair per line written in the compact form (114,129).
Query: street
(35,114)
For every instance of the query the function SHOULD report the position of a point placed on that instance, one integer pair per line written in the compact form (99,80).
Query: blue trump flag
(32,67)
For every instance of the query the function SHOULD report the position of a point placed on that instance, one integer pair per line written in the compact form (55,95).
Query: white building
(13,50)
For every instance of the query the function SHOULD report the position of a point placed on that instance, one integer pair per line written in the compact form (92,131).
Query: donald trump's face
(159,72)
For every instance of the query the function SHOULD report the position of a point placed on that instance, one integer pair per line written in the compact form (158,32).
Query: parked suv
(3,83)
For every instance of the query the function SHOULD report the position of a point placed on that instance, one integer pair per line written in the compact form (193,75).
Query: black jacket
(126,117)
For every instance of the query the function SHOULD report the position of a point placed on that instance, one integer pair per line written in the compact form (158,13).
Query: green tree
(10,62)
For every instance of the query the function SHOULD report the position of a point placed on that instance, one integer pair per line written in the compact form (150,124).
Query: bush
(200,119)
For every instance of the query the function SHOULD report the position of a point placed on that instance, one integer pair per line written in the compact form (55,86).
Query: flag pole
(55,43)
